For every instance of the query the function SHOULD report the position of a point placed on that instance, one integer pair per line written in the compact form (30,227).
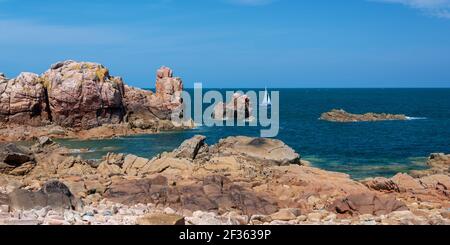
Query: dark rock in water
(367,203)
(214,193)
(343,116)
(53,194)
(15,159)
(191,147)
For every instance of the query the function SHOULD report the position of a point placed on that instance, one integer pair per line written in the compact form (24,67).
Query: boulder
(367,203)
(381,184)
(439,182)
(160,219)
(406,183)
(191,147)
(83,95)
(53,194)
(23,100)
(159,165)
(134,165)
(259,150)
(108,170)
(343,116)
(285,215)
(15,160)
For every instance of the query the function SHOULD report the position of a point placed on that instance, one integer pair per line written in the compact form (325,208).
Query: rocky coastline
(82,100)
(342,116)
(239,180)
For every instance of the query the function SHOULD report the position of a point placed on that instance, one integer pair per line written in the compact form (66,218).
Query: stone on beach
(160,219)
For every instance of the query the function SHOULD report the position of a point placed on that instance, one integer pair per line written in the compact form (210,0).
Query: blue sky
(236,43)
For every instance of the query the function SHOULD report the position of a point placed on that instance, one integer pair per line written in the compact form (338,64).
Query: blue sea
(362,149)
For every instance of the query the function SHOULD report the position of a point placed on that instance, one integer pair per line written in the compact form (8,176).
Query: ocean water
(360,149)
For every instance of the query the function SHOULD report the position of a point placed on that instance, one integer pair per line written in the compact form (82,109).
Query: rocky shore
(239,180)
(82,100)
(343,117)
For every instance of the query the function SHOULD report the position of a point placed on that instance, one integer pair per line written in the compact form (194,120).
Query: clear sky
(236,43)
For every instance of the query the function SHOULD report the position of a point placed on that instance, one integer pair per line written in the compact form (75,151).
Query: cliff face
(83,95)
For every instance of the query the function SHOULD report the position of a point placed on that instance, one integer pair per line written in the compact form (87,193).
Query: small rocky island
(82,100)
(343,117)
(238,181)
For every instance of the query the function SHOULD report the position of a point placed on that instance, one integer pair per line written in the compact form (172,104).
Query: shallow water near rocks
(360,149)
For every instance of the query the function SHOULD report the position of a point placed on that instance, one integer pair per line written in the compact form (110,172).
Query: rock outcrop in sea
(83,96)
(343,116)
(239,108)
(239,180)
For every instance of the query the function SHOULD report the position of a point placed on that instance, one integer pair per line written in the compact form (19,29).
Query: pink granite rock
(239,107)
(23,100)
(83,95)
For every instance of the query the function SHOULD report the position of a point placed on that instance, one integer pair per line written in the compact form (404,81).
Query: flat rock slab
(263,150)
(214,193)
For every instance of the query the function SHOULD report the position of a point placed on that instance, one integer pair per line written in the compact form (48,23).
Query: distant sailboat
(266,101)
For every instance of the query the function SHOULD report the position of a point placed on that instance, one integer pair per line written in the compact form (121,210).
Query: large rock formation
(23,100)
(168,88)
(83,95)
(343,116)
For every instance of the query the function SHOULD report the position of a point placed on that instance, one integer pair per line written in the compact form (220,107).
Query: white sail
(266,100)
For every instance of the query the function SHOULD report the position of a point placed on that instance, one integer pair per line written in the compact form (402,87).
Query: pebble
(4,209)
(116,214)
(314,217)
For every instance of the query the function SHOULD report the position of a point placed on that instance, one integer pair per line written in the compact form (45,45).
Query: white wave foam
(416,118)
